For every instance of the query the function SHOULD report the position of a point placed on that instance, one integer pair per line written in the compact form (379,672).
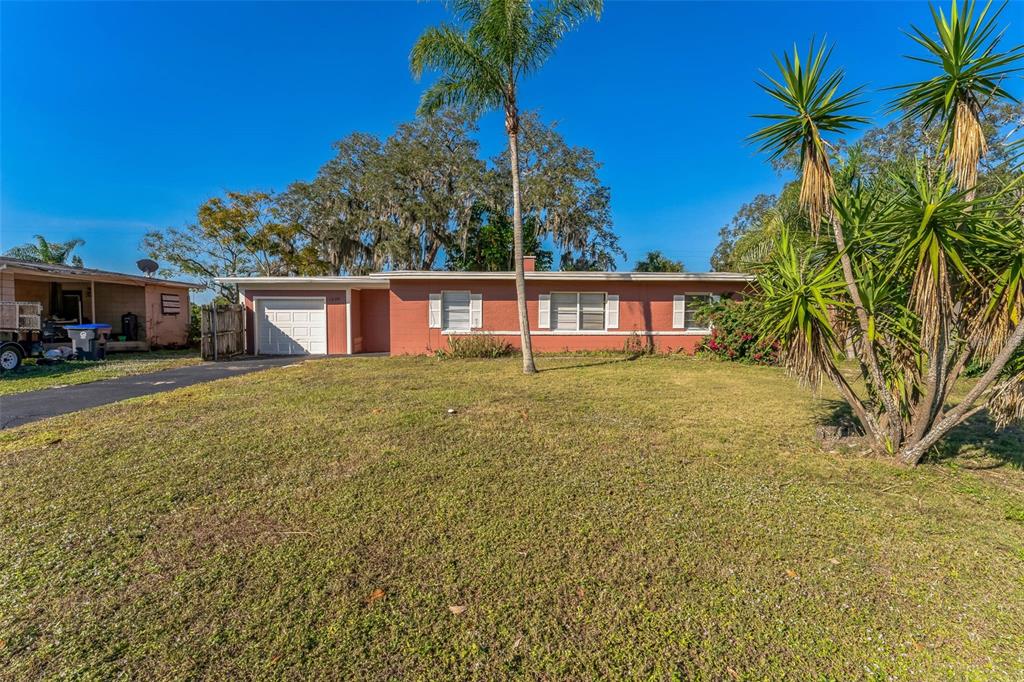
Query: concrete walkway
(22,408)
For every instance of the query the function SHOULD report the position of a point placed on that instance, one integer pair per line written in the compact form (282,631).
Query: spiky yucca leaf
(813,106)
(799,294)
(972,73)
(1007,405)
(936,227)
(1002,304)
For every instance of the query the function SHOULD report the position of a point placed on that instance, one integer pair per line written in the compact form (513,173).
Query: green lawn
(661,518)
(32,377)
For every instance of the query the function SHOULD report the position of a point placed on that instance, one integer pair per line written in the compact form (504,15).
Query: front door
(71,306)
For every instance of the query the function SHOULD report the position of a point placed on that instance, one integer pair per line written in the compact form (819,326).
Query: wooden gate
(223,331)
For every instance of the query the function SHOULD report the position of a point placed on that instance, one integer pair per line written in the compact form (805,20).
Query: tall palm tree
(482,59)
(46,251)
(972,74)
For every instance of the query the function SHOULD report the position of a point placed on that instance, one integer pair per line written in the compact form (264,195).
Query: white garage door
(291,326)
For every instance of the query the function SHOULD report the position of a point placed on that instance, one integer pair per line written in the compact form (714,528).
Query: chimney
(529,263)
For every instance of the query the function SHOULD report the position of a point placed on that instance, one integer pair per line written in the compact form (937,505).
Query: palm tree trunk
(512,127)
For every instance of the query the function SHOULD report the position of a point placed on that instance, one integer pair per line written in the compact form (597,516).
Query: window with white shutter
(544,311)
(611,311)
(692,317)
(455,311)
(434,311)
(592,312)
(572,311)
(564,312)
(476,311)
(678,312)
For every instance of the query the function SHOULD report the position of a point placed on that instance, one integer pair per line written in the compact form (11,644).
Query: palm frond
(469,77)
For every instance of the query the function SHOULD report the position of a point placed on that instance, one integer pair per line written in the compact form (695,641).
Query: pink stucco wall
(643,307)
(375,320)
(161,329)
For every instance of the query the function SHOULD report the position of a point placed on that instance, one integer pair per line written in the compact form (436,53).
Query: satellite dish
(148,266)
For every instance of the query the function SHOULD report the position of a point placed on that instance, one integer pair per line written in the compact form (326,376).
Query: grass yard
(661,518)
(32,377)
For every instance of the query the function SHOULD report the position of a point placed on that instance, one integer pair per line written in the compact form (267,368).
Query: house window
(686,311)
(455,312)
(170,304)
(577,311)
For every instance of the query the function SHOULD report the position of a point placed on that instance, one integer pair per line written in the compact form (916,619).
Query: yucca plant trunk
(912,452)
(893,431)
(512,128)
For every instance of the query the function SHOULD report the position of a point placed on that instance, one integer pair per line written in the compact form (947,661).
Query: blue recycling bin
(89,341)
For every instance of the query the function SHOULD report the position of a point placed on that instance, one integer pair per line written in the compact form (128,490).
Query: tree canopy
(422,198)
(45,251)
(655,261)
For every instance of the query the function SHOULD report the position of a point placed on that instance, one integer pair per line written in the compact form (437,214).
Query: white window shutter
(434,315)
(678,312)
(611,311)
(544,311)
(476,311)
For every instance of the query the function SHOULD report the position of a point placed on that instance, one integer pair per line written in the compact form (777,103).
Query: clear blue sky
(118,118)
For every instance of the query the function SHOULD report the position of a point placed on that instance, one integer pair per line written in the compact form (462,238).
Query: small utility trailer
(21,329)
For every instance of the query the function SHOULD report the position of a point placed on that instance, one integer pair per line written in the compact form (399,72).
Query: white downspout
(348,321)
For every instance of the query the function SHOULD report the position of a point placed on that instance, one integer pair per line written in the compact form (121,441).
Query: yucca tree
(972,74)
(932,276)
(814,106)
(482,59)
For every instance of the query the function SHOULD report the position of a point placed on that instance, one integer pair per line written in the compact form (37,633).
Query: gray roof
(87,273)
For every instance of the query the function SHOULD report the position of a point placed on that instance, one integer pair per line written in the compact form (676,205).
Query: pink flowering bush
(734,333)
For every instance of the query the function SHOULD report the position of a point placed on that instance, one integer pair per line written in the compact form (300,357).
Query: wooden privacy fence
(223,331)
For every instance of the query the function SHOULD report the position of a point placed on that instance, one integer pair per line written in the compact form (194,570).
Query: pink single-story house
(415,312)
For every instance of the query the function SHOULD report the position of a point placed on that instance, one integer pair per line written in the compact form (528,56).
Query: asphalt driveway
(22,408)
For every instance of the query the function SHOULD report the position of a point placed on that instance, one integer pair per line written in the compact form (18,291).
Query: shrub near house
(734,334)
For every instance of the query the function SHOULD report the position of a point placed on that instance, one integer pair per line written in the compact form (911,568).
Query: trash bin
(89,340)
(130,326)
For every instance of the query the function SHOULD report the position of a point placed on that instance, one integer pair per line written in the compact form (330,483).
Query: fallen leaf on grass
(790,572)
(375,595)
(732,673)
(834,561)
(457,609)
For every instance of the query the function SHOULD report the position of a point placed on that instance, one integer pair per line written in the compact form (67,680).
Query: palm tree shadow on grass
(597,362)
(976,439)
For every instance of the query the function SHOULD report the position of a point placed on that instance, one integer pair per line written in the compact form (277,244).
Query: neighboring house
(70,295)
(414,312)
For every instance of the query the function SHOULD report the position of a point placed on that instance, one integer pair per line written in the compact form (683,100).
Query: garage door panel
(291,326)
